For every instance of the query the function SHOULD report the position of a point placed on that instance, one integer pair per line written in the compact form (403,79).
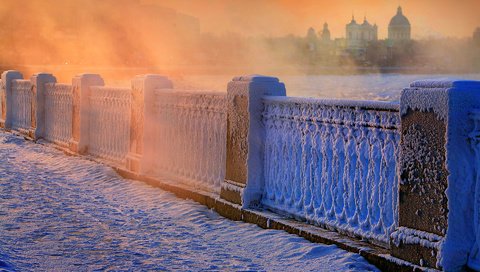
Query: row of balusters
(189,134)
(22,98)
(58,113)
(336,175)
(110,113)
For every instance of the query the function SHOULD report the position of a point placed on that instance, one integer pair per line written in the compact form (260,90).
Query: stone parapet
(244,179)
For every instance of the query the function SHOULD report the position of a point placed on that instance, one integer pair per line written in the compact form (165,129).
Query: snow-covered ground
(66,213)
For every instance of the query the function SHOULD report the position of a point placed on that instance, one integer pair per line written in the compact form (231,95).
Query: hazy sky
(280,17)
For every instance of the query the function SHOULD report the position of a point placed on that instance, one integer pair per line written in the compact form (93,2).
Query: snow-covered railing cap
(361,104)
(445,83)
(12,73)
(256,78)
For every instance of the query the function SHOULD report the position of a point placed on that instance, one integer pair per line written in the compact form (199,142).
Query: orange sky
(279,17)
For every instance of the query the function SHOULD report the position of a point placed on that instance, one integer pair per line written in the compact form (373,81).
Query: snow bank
(333,163)
(189,138)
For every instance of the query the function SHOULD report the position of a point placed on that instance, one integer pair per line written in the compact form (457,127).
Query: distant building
(312,39)
(340,46)
(325,35)
(358,36)
(361,41)
(476,35)
(399,28)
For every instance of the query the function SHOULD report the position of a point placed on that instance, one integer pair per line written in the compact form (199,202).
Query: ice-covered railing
(188,142)
(22,104)
(333,163)
(58,113)
(109,129)
(337,164)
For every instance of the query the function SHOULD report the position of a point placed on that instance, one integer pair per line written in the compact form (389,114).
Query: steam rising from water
(122,38)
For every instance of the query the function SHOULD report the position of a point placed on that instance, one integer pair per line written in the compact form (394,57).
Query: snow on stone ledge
(434,95)
(255,78)
(362,104)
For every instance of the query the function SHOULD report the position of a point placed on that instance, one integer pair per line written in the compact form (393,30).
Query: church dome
(365,22)
(399,19)
(353,22)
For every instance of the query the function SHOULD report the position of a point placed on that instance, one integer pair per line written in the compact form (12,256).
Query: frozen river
(385,87)
(65,213)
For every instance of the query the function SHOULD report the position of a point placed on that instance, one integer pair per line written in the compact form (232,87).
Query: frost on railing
(333,163)
(110,112)
(189,138)
(58,113)
(22,99)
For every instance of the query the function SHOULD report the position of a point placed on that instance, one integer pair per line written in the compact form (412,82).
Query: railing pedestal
(81,110)
(6,93)
(38,108)
(143,98)
(244,179)
(437,169)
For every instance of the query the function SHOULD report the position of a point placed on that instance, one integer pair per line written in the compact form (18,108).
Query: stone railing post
(38,108)
(143,100)
(437,175)
(6,97)
(244,177)
(81,110)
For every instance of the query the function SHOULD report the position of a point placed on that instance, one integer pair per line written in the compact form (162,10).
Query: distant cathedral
(399,28)
(359,35)
(325,35)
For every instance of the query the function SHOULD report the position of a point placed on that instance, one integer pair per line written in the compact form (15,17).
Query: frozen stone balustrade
(109,132)
(22,98)
(333,163)
(58,113)
(406,179)
(189,137)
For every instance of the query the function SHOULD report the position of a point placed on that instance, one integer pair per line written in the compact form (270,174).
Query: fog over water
(203,44)
(383,87)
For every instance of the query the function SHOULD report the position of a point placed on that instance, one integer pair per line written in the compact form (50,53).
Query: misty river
(384,87)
